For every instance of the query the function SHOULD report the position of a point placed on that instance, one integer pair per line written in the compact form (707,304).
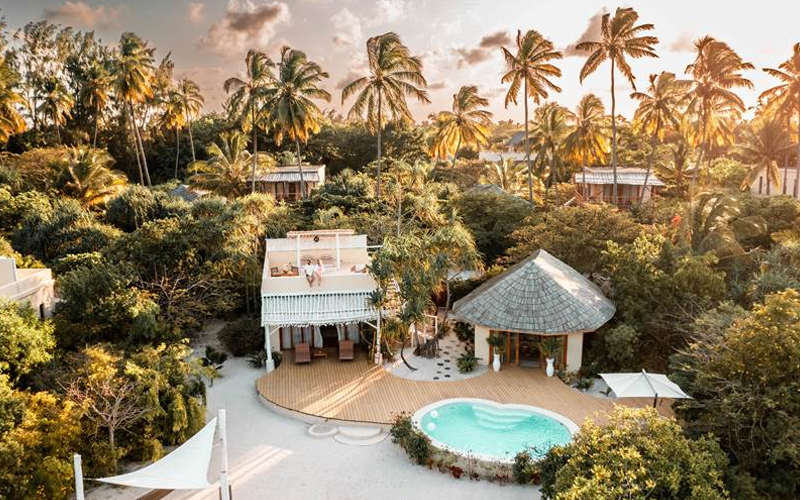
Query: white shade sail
(643,385)
(186,468)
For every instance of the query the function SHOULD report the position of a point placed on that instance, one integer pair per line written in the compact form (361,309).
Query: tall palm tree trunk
(455,155)
(58,133)
(797,157)
(649,164)
(138,138)
(380,127)
(191,139)
(96,120)
(135,148)
(613,135)
(255,147)
(300,169)
(177,149)
(528,145)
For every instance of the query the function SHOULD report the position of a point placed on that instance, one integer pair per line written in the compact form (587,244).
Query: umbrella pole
(655,400)
(223,474)
(76,466)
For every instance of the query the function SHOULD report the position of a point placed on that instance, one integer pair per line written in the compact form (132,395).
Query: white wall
(759,185)
(574,351)
(481,346)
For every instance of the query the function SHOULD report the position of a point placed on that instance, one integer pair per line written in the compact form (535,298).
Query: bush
(620,343)
(259,359)
(464,331)
(466,362)
(526,469)
(415,443)
(242,337)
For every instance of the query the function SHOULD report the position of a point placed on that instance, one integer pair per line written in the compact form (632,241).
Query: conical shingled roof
(539,295)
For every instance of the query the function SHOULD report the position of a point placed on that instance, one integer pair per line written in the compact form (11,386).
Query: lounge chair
(346,350)
(302,353)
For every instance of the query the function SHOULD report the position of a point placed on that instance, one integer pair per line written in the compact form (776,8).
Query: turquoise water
(484,429)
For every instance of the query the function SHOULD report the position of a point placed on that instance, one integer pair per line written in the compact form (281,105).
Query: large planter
(550,370)
(496,362)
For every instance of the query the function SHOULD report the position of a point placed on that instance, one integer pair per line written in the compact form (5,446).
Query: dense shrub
(242,337)
(526,469)
(415,443)
(620,344)
(139,204)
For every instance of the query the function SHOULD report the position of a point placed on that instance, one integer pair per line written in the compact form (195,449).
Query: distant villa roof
(290,173)
(188,193)
(540,295)
(625,175)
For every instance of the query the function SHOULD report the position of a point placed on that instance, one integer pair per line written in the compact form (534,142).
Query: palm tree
(763,145)
(393,74)
(288,103)
(96,91)
(56,103)
(133,68)
(621,37)
(246,95)
(11,120)
(530,68)
(172,117)
(787,97)
(676,172)
(89,178)
(226,170)
(659,112)
(190,101)
(552,125)
(587,143)
(507,174)
(467,123)
(716,71)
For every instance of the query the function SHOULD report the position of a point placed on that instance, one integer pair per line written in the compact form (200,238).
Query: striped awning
(288,177)
(317,308)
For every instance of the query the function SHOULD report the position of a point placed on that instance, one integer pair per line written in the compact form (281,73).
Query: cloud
(245,25)
(684,43)
(483,52)
(441,84)
(591,33)
(389,11)
(346,29)
(495,40)
(351,75)
(197,12)
(80,15)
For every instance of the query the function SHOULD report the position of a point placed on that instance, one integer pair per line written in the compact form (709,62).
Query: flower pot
(550,370)
(496,362)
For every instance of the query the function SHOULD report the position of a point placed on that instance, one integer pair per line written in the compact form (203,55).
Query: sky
(458,40)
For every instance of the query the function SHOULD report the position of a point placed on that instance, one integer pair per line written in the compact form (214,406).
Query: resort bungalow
(597,185)
(787,183)
(315,311)
(538,298)
(32,286)
(283,182)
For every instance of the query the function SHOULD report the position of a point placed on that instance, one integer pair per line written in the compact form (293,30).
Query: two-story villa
(34,286)
(316,317)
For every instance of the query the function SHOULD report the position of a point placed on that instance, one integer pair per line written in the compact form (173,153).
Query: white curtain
(286,337)
(297,337)
(317,337)
(352,332)
(340,331)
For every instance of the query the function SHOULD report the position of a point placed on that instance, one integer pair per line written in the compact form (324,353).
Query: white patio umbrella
(643,385)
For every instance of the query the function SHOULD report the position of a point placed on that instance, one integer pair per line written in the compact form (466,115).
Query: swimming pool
(491,431)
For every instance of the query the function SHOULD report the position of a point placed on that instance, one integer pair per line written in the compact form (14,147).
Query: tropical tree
(764,143)
(11,121)
(467,124)
(226,170)
(712,103)
(552,125)
(587,143)
(190,102)
(659,112)
(96,92)
(172,117)
(676,172)
(787,97)
(89,178)
(288,104)
(246,95)
(55,103)
(133,69)
(507,174)
(530,68)
(393,74)
(620,38)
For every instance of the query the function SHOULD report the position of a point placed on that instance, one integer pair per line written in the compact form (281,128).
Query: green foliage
(465,332)
(25,340)
(576,235)
(744,378)
(259,359)
(466,362)
(138,204)
(620,344)
(637,455)
(414,442)
(214,358)
(526,469)
(242,336)
(727,173)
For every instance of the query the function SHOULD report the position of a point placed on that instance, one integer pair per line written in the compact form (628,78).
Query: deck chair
(346,350)
(302,353)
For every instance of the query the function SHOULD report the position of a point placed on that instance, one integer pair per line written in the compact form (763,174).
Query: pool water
(493,431)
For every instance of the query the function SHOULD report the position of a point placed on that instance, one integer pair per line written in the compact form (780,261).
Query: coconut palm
(246,96)
(676,172)
(96,92)
(659,112)
(394,74)
(620,38)
(587,143)
(11,120)
(532,69)
(508,174)
(55,102)
(712,103)
(226,170)
(88,176)
(288,104)
(133,69)
(172,117)
(763,145)
(552,125)
(786,96)
(190,101)
(467,124)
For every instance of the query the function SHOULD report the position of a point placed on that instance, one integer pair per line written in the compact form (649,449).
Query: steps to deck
(322,430)
(354,435)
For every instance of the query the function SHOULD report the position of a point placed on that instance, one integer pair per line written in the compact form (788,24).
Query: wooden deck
(360,391)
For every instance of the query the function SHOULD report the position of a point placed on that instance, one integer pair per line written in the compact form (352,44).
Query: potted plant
(498,344)
(550,348)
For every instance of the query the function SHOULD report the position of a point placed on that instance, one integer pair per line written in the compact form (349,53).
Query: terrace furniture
(346,350)
(302,353)
(319,353)
(274,271)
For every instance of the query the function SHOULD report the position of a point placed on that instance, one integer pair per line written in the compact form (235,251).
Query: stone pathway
(443,368)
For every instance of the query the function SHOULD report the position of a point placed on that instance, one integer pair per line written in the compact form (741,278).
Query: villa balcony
(344,280)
